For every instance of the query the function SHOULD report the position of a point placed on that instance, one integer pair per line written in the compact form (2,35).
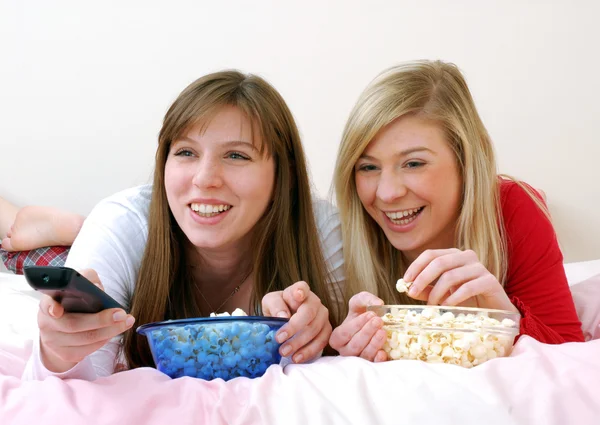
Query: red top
(536,282)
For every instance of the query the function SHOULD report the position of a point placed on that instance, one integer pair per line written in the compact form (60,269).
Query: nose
(209,173)
(390,187)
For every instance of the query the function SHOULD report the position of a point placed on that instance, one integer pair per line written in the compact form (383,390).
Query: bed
(537,384)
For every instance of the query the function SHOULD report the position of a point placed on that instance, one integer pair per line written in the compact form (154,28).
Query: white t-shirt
(112,242)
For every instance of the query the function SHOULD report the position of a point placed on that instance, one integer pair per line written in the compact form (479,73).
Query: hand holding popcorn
(454,277)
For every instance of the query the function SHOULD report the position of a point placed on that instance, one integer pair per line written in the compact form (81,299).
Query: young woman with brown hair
(229,222)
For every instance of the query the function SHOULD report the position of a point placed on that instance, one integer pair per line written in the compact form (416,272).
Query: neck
(217,270)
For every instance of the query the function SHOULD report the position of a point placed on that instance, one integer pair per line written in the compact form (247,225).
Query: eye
(184,152)
(237,156)
(414,164)
(366,167)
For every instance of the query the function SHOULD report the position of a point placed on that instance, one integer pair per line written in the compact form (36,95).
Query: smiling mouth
(208,210)
(404,216)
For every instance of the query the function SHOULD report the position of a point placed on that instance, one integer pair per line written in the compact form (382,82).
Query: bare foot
(8,213)
(36,227)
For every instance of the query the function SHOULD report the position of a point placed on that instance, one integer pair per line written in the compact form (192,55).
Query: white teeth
(403,217)
(209,209)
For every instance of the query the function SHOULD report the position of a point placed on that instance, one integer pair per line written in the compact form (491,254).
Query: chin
(405,245)
(209,243)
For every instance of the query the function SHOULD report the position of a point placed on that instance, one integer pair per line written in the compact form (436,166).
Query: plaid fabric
(48,256)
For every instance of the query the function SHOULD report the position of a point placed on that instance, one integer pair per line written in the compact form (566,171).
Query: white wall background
(84,85)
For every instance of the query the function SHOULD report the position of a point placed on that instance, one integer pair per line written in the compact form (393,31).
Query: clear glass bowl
(457,335)
(214,347)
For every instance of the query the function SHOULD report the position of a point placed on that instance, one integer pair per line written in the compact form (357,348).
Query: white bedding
(538,384)
(580,271)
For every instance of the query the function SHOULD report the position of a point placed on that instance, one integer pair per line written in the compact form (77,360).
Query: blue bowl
(214,347)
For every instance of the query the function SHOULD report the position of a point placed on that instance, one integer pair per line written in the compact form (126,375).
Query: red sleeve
(536,282)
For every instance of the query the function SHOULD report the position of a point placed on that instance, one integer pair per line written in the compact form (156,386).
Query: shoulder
(517,201)
(135,198)
(131,204)
(112,241)
(527,225)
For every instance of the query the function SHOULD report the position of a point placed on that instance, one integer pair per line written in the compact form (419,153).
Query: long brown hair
(286,238)
(438,91)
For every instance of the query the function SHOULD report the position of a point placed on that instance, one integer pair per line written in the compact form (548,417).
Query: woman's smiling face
(408,180)
(218,184)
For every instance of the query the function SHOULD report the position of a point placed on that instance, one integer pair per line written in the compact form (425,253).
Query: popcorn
(221,349)
(435,349)
(434,335)
(508,323)
(402,286)
(478,351)
(236,312)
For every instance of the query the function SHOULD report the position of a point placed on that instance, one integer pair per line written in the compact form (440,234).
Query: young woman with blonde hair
(419,198)
(229,222)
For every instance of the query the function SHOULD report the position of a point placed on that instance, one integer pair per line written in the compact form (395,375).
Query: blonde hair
(286,246)
(437,91)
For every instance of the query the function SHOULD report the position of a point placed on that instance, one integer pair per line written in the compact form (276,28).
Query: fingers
(73,323)
(60,330)
(452,278)
(66,341)
(304,315)
(55,309)
(423,260)
(66,338)
(51,308)
(314,347)
(358,303)
(343,334)
(358,340)
(273,305)
(430,265)
(306,344)
(374,346)
(295,295)
(482,285)
(308,329)
(424,294)
(73,336)
(92,276)
(381,356)
(363,338)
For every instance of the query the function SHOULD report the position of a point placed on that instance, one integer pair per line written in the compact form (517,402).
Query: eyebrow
(230,143)
(403,153)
